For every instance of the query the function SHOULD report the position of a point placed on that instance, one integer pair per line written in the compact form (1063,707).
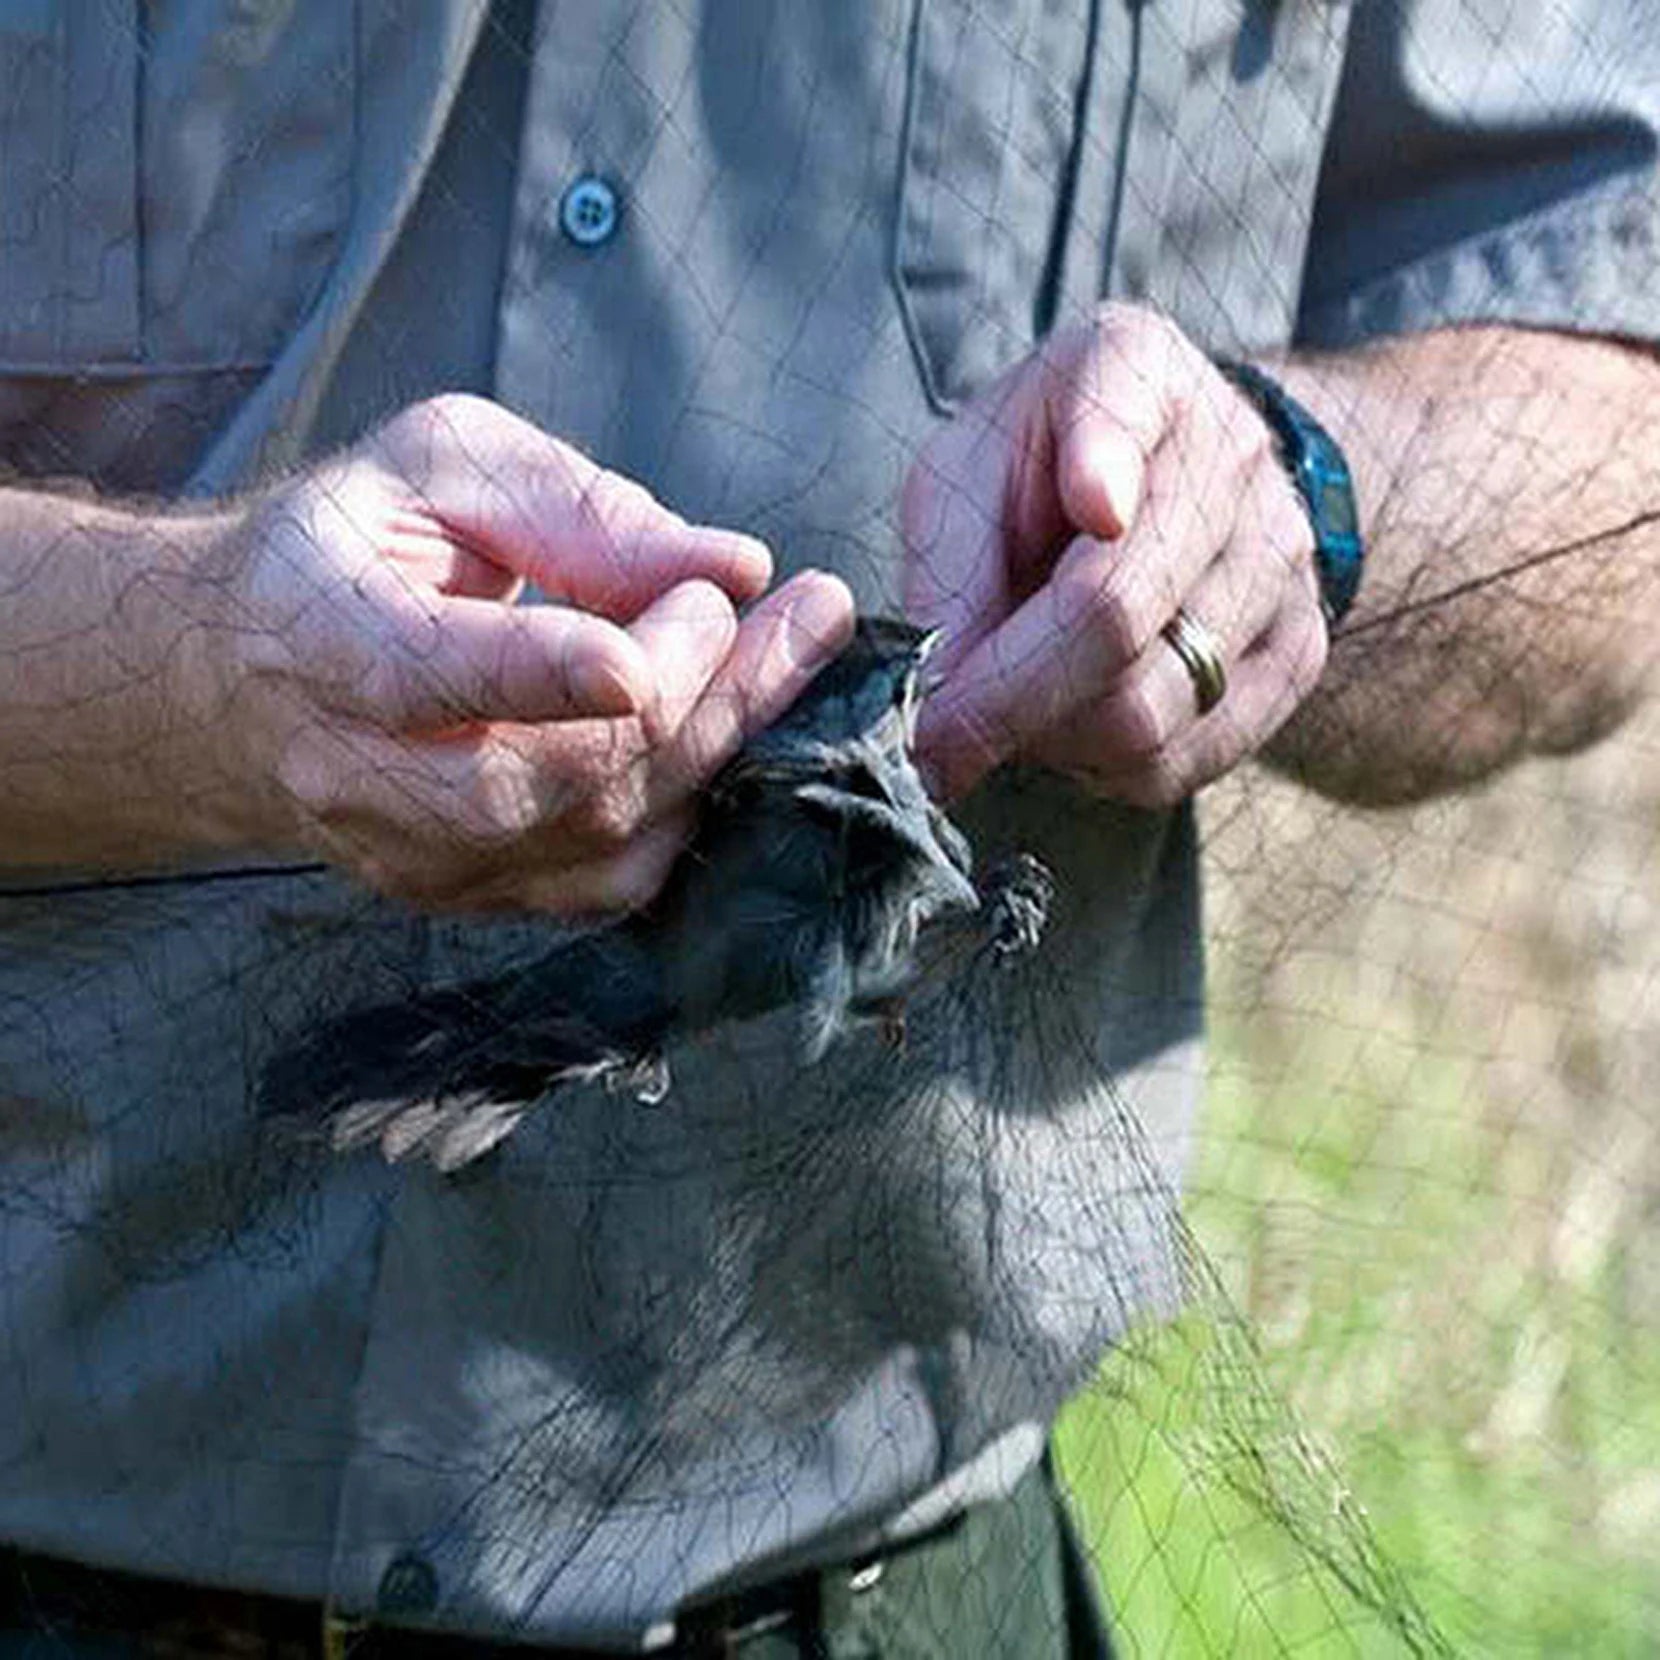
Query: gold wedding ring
(1201,656)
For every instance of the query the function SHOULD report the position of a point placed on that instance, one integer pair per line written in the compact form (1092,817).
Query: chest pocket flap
(991,126)
(174,180)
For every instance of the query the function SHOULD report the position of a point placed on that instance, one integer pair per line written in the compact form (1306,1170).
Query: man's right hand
(345,669)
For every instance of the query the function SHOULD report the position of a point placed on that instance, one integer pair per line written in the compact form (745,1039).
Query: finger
(987,507)
(626,881)
(955,576)
(435,557)
(423,661)
(1111,398)
(444,811)
(590,891)
(1063,648)
(1266,568)
(686,636)
(1155,700)
(541,509)
(784,641)
(637,773)
(1265,686)
(774,653)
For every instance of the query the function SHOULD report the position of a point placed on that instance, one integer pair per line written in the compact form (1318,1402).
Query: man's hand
(338,664)
(1053,530)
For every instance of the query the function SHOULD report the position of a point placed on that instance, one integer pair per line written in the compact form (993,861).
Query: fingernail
(613,682)
(755,559)
(1118,466)
(699,603)
(819,618)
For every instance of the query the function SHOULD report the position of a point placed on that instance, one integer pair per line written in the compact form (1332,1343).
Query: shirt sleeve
(1490,163)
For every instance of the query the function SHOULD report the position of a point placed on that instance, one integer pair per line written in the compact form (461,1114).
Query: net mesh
(1364,1361)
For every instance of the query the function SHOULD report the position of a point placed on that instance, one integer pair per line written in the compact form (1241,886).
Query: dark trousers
(1003,1581)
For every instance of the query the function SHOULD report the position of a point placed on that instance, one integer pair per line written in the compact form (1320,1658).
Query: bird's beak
(959,893)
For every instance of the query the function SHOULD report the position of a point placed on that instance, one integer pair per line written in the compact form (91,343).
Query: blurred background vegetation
(1429,1179)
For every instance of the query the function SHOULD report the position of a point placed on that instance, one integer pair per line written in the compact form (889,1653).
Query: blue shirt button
(588,212)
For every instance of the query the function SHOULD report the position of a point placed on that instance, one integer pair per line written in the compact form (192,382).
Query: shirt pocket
(987,157)
(174,180)
(1234,98)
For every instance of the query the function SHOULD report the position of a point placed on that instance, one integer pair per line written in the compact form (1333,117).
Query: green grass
(1446,1303)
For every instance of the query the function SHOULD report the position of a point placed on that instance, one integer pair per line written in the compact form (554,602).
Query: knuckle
(1116,314)
(612,506)
(412,443)
(383,877)
(387,686)
(1124,316)
(418,425)
(607,818)
(1144,328)
(1310,656)
(398,881)
(583,894)
(1284,523)
(500,811)
(399,870)
(1157,784)
(302,776)
(603,887)
(1139,723)
(1124,331)
(430,886)
(1255,447)
(1112,604)
(632,886)
(1299,545)
(446,411)
(405,448)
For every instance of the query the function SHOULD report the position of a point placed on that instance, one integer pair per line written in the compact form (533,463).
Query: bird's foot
(1016,896)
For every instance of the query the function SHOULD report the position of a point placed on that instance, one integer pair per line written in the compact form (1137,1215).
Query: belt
(721,1628)
(157,1619)
(1012,1565)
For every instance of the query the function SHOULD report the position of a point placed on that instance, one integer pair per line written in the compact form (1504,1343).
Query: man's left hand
(1052,531)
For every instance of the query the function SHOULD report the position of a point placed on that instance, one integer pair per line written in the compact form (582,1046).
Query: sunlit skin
(334,665)
(1054,528)
(1509,486)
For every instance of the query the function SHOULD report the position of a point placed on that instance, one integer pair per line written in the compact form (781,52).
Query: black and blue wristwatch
(1321,476)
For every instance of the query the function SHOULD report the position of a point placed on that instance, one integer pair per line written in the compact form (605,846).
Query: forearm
(106,753)
(1509,483)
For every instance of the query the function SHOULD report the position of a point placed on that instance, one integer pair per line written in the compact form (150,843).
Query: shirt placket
(604,84)
(410,1540)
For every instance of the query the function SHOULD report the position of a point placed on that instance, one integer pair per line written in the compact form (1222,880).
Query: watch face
(1337,508)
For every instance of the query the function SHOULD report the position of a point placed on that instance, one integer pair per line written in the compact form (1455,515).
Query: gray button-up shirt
(641,1353)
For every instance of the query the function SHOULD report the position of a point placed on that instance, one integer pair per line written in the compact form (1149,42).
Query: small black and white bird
(818,859)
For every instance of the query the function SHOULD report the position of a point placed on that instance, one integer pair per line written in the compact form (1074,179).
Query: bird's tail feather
(450,1072)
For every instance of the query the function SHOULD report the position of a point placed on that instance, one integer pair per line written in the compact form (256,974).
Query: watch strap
(1319,472)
